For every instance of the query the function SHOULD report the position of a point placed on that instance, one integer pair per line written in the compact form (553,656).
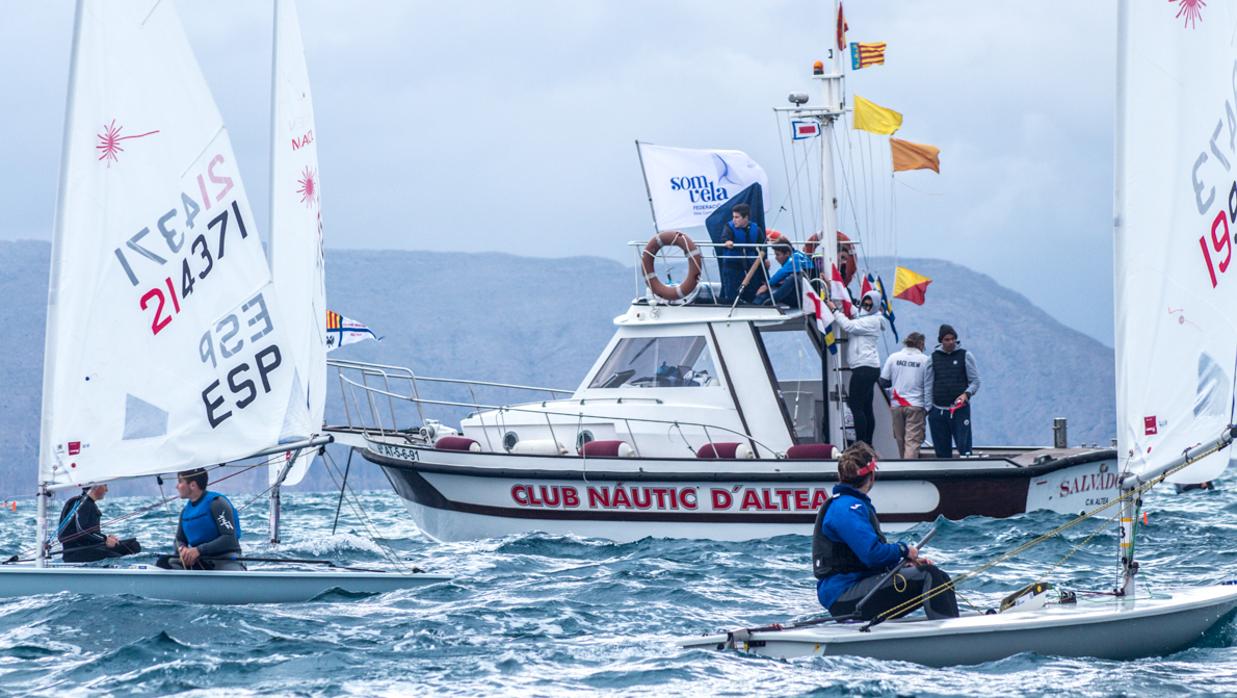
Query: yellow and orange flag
(873,118)
(914,156)
(910,286)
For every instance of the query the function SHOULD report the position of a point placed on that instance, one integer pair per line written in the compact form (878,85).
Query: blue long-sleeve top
(849,521)
(798,262)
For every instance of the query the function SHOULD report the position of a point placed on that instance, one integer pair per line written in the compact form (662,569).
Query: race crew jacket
(905,372)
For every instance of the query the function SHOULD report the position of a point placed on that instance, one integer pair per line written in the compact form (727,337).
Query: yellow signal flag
(909,286)
(874,118)
(914,156)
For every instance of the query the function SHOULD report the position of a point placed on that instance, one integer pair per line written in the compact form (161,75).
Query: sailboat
(168,346)
(1176,342)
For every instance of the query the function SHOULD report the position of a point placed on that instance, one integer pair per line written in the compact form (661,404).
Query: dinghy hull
(1114,629)
(254,586)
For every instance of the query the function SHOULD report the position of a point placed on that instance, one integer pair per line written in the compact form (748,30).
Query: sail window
(658,362)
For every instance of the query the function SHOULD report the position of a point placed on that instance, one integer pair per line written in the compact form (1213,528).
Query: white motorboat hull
(215,587)
(456,495)
(1111,629)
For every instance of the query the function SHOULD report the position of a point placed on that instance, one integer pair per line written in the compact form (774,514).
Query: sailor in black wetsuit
(80,530)
(208,537)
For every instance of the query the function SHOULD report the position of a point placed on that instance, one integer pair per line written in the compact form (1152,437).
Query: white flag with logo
(686,184)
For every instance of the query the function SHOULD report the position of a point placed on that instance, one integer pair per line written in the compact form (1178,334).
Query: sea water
(536,614)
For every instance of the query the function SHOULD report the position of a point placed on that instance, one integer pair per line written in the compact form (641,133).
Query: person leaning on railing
(786,284)
(735,261)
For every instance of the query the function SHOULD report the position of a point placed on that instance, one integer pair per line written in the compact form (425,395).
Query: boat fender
(726,451)
(810,452)
(539,447)
(671,292)
(457,443)
(607,449)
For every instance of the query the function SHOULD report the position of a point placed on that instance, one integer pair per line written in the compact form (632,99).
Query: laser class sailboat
(168,347)
(1176,348)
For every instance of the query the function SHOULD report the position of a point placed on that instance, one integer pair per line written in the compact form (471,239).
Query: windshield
(658,362)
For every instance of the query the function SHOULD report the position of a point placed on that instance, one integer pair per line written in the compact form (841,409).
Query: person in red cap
(786,285)
(850,555)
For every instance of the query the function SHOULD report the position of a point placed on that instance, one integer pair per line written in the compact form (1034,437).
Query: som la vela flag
(342,331)
(687,184)
(873,118)
(910,286)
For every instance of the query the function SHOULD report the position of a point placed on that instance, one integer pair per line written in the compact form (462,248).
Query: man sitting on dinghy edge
(850,556)
(81,530)
(208,537)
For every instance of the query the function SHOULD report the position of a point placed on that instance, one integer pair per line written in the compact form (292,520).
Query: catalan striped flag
(865,54)
(342,331)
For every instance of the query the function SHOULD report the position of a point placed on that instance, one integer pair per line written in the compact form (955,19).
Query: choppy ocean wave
(544,615)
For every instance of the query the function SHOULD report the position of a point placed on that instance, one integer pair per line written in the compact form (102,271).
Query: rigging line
(354,503)
(781,144)
(851,204)
(925,193)
(1135,492)
(863,181)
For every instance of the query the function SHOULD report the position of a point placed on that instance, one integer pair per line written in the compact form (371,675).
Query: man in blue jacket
(208,537)
(734,262)
(850,554)
(786,285)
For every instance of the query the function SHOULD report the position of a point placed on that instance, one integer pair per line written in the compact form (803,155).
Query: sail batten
(1176,214)
(166,345)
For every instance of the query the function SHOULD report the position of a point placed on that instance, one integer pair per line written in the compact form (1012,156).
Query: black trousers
(99,551)
(859,400)
(909,583)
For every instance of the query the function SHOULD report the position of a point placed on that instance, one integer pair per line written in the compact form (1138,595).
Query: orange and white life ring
(845,256)
(677,291)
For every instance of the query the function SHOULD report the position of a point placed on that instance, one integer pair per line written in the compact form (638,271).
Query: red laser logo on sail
(1191,10)
(309,187)
(109,141)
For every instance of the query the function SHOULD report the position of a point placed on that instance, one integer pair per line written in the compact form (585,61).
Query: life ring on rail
(677,291)
(846,256)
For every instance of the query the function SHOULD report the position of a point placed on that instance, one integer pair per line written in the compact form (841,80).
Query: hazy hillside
(542,322)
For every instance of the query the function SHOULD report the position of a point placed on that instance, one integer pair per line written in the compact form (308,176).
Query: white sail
(296,224)
(165,343)
(1176,215)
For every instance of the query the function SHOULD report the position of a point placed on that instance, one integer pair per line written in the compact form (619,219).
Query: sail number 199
(1221,239)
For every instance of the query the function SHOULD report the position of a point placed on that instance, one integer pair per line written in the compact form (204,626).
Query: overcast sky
(480,126)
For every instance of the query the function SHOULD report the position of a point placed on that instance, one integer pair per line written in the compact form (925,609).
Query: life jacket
(743,236)
(831,557)
(198,524)
(948,376)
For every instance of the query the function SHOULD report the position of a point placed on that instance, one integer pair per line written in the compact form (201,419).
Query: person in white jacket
(904,375)
(863,357)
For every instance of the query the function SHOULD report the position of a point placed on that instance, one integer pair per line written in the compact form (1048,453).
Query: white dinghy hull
(253,586)
(1111,629)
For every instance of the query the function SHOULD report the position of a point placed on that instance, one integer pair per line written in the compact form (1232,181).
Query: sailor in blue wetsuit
(850,555)
(734,262)
(786,285)
(208,537)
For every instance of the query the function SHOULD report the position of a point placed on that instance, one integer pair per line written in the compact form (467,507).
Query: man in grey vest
(949,383)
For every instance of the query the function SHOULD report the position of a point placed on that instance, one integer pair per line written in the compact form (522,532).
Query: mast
(831,108)
(51,339)
(1131,503)
(275,501)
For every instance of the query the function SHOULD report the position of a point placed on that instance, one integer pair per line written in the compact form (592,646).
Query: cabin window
(795,363)
(658,362)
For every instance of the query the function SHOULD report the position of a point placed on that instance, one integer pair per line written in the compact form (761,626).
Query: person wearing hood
(851,556)
(863,358)
(949,383)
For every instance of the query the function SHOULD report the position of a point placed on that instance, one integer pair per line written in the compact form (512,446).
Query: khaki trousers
(908,430)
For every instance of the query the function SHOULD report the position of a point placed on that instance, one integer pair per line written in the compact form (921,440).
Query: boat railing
(374,382)
(710,251)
